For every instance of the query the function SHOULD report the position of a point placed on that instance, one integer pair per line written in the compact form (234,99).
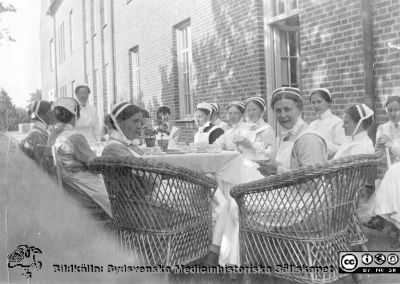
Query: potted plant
(150,136)
(163,129)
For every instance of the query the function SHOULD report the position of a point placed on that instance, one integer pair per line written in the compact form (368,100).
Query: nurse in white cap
(356,121)
(328,125)
(207,133)
(72,153)
(257,138)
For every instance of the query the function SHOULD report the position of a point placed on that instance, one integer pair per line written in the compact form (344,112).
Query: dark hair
(163,110)
(392,99)
(288,96)
(324,95)
(355,116)
(128,112)
(145,113)
(65,116)
(205,111)
(82,86)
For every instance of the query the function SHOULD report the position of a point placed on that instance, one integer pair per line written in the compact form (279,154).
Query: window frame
(52,55)
(134,61)
(186,105)
(71,39)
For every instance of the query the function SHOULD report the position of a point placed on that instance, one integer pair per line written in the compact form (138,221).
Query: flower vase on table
(150,136)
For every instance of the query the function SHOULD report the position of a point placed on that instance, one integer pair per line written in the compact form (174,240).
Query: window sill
(184,120)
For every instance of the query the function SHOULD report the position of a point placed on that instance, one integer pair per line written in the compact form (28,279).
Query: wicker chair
(301,217)
(43,155)
(160,212)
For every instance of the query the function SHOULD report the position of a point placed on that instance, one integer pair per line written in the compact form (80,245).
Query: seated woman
(386,198)
(298,145)
(208,133)
(126,121)
(215,119)
(357,119)
(235,114)
(165,129)
(388,134)
(42,117)
(328,125)
(256,139)
(72,152)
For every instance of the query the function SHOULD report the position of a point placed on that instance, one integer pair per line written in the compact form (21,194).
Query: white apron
(202,137)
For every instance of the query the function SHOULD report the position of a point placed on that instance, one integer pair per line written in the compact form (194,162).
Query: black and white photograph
(200,141)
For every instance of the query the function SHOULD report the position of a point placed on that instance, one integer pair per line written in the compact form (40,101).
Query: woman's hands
(242,141)
(268,168)
(385,141)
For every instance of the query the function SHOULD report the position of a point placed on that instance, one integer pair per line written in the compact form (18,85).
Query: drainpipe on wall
(113,55)
(55,55)
(368,50)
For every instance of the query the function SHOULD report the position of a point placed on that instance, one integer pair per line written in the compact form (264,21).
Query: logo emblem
(349,262)
(26,257)
(367,259)
(392,259)
(380,258)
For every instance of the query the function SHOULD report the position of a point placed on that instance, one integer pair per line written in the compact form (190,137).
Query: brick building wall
(227,51)
(386,30)
(331,40)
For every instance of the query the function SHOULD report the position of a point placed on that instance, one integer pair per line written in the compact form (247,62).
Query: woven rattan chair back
(301,218)
(161,213)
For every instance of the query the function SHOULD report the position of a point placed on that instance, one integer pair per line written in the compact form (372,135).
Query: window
(135,74)
(108,87)
(184,49)
(63,91)
(52,58)
(287,57)
(61,44)
(73,89)
(283,46)
(105,11)
(71,39)
(280,9)
(87,20)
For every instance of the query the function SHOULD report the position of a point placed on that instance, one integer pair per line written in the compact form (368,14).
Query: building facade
(179,53)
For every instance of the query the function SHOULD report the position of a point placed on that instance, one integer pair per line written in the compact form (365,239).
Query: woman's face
(201,118)
(319,104)
(393,111)
(287,113)
(349,125)
(132,126)
(234,115)
(164,117)
(253,112)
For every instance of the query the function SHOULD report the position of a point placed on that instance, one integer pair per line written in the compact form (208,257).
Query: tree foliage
(10,116)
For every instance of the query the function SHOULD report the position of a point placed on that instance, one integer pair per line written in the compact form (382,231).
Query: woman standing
(257,138)
(207,133)
(328,125)
(235,114)
(126,121)
(72,152)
